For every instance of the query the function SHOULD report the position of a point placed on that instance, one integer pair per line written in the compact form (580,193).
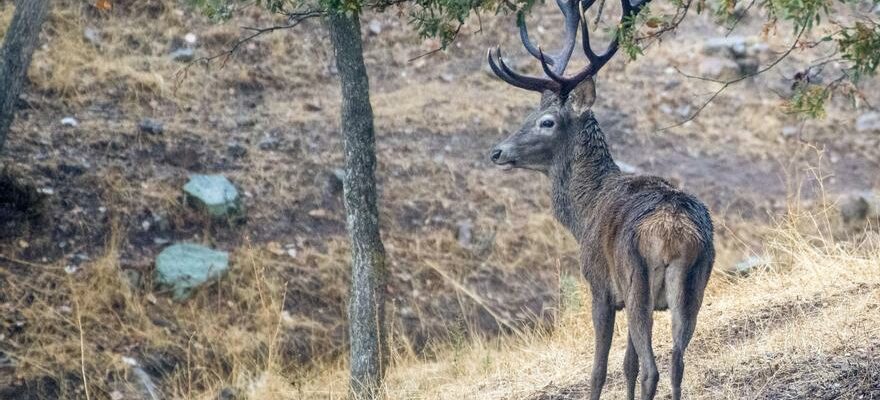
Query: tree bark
(15,56)
(366,309)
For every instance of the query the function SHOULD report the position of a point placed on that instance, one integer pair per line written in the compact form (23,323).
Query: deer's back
(643,223)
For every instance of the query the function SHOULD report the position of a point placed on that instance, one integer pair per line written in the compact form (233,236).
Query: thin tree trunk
(15,56)
(366,309)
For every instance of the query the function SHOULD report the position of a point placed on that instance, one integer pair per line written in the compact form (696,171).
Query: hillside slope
(806,326)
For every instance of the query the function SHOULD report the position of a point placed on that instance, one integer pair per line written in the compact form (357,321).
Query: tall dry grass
(782,331)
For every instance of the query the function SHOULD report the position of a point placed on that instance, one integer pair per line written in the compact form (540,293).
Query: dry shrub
(76,328)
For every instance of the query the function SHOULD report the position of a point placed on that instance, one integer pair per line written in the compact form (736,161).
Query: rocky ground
(113,124)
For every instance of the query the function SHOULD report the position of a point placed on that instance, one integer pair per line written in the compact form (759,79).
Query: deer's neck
(579,174)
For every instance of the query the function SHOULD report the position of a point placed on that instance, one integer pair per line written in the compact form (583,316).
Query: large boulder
(183,267)
(215,194)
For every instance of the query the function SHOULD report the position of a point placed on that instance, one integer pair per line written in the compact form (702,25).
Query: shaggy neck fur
(579,173)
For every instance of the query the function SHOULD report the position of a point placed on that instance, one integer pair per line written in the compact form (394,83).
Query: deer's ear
(582,97)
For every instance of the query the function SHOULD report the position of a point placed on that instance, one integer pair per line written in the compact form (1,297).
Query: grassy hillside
(805,326)
(497,311)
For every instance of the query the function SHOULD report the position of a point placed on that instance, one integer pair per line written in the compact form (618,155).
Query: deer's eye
(547,123)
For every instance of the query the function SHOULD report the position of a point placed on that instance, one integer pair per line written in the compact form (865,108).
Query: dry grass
(775,333)
(246,332)
(82,325)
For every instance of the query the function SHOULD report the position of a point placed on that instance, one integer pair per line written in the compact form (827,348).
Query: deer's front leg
(603,325)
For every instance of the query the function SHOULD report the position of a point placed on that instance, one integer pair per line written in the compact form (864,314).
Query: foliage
(809,100)
(626,32)
(860,46)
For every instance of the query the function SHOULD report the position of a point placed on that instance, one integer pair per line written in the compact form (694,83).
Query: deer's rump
(661,243)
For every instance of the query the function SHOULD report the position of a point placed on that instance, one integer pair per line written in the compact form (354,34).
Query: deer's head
(565,99)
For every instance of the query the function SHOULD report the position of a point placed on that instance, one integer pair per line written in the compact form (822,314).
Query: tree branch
(293,20)
(726,84)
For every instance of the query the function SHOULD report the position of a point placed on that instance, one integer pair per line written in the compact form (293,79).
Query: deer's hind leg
(639,312)
(685,287)
(630,368)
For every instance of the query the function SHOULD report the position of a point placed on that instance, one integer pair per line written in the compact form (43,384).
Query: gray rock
(92,35)
(859,207)
(144,383)
(69,121)
(789,131)
(735,46)
(228,393)
(750,264)
(375,27)
(465,233)
(868,122)
(215,194)
(184,267)
(151,126)
(183,54)
(719,68)
(269,142)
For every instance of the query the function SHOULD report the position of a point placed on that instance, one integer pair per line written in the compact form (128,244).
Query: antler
(574,12)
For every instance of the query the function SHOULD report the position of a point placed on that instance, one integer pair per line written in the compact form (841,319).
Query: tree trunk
(366,309)
(15,57)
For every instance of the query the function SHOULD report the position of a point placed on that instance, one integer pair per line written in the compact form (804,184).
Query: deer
(645,245)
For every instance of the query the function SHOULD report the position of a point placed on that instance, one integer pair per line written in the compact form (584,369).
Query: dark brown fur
(645,245)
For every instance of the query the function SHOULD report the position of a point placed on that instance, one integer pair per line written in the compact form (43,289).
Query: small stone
(183,54)
(215,194)
(868,122)
(69,121)
(318,213)
(184,267)
(292,253)
(151,126)
(751,263)
(465,233)
(447,77)
(789,131)
(92,35)
(228,394)
(269,142)
(116,395)
(719,68)
(375,27)
(683,110)
(190,38)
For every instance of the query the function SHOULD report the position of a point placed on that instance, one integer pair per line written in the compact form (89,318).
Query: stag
(645,245)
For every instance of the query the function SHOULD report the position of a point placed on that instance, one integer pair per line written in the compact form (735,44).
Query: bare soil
(268,121)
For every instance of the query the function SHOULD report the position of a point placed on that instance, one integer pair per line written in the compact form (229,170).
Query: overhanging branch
(293,20)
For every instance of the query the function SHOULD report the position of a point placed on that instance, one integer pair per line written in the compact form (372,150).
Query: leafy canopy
(855,42)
